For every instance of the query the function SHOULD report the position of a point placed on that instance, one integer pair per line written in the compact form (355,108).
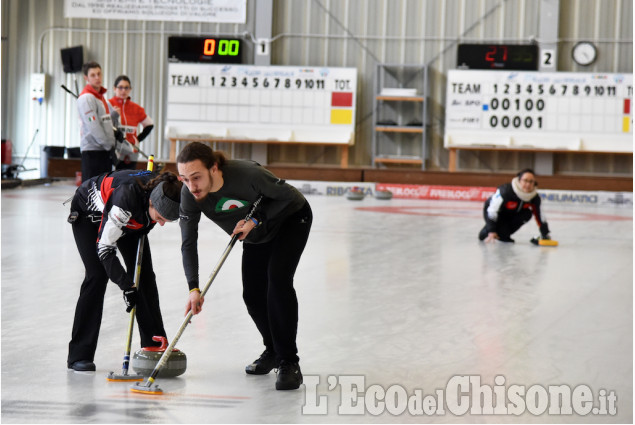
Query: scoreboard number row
(506,103)
(506,121)
(559,89)
(255,82)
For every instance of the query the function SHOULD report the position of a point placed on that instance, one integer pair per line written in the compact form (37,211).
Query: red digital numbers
(495,53)
(209,48)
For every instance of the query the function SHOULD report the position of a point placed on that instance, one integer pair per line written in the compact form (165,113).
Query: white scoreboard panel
(541,110)
(277,103)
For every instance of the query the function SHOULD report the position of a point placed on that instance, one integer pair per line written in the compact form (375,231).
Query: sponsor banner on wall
(457,193)
(220,11)
(331,188)
(584,198)
(463,193)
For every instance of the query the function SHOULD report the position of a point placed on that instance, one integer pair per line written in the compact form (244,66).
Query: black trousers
(268,270)
(95,163)
(507,223)
(90,304)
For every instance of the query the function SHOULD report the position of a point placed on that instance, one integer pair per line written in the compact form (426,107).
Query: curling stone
(145,360)
(355,194)
(383,194)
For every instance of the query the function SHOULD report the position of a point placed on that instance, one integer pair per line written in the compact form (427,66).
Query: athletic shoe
(83,366)
(483,234)
(263,364)
(289,376)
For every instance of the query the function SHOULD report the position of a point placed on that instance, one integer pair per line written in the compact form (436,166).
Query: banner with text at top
(276,103)
(220,11)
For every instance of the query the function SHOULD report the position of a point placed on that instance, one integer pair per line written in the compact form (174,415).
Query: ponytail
(171,187)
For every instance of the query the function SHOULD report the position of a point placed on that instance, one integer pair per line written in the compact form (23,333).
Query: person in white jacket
(97,117)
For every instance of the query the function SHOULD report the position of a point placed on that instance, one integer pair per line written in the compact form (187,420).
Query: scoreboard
(204,49)
(542,110)
(497,56)
(277,103)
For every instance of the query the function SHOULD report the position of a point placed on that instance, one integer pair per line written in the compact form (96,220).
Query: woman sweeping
(109,212)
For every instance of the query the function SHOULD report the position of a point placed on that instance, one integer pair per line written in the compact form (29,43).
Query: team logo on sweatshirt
(226,204)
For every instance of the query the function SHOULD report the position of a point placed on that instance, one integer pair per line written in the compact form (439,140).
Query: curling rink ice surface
(396,296)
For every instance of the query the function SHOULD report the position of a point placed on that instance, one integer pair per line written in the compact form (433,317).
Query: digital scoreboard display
(569,110)
(204,50)
(522,57)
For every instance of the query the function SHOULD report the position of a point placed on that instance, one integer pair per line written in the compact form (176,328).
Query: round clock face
(584,53)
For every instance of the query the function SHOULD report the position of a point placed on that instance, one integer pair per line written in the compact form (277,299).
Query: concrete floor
(399,294)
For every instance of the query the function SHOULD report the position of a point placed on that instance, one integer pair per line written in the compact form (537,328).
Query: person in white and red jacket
(131,115)
(96,115)
(511,206)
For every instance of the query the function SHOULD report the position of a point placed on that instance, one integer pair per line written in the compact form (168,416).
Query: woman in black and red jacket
(511,206)
(109,212)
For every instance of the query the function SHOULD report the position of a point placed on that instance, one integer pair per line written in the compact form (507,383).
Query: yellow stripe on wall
(626,124)
(341,116)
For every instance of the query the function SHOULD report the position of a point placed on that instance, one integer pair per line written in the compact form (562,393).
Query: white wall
(357,33)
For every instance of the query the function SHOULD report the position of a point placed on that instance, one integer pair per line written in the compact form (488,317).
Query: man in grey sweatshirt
(96,117)
(273,241)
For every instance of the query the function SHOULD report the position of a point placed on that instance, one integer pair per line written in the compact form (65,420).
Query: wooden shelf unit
(405,141)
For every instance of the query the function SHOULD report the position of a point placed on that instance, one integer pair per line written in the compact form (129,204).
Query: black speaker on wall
(73,59)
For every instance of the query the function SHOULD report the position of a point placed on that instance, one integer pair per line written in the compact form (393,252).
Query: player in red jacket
(131,115)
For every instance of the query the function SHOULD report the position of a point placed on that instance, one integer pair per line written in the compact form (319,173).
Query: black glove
(536,240)
(130,298)
(113,157)
(145,132)
(119,136)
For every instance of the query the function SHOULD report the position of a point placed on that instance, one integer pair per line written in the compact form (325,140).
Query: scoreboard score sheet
(541,110)
(277,103)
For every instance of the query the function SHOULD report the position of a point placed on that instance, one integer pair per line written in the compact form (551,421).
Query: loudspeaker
(73,59)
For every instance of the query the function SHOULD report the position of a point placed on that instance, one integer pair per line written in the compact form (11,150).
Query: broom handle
(166,354)
(137,278)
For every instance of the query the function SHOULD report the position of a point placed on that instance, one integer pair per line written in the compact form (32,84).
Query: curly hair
(197,150)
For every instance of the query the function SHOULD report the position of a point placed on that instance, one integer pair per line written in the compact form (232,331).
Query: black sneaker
(83,366)
(289,376)
(263,364)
